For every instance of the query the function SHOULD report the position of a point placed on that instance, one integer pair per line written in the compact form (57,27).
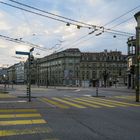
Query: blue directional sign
(22,53)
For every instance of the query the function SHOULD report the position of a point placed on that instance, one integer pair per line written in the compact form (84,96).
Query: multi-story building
(72,67)
(60,68)
(16,73)
(131,59)
(107,68)
(19,71)
(3,75)
(11,74)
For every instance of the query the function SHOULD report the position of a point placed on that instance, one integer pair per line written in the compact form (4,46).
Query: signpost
(23,53)
(29,71)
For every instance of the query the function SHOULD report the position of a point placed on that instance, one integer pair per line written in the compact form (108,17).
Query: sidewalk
(36,88)
(118,89)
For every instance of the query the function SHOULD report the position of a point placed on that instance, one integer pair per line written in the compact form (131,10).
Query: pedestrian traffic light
(132,69)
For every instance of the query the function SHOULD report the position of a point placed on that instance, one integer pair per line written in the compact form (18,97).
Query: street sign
(22,53)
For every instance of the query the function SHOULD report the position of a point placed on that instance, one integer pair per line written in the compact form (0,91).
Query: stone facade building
(3,75)
(60,68)
(11,72)
(107,68)
(16,73)
(74,68)
(19,70)
(131,59)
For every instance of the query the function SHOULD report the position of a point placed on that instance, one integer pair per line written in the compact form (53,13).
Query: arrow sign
(22,53)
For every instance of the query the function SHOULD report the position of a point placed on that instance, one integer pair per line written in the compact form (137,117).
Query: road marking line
(69,103)
(124,103)
(43,100)
(7,96)
(103,101)
(95,102)
(35,130)
(56,103)
(51,139)
(125,97)
(87,95)
(17,110)
(20,122)
(83,103)
(19,115)
(20,101)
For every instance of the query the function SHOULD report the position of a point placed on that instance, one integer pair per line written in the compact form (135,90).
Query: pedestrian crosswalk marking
(69,103)
(124,103)
(55,103)
(35,130)
(21,122)
(17,110)
(83,103)
(19,115)
(6,96)
(22,117)
(95,102)
(127,97)
(106,102)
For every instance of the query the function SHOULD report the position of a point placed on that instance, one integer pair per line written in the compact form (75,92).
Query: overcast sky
(48,33)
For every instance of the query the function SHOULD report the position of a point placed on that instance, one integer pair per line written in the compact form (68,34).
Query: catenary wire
(121,15)
(23,42)
(39,14)
(53,14)
(93,26)
(106,30)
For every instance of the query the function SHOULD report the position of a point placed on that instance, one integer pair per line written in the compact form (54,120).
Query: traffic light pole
(137,63)
(137,17)
(29,78)
(28,72)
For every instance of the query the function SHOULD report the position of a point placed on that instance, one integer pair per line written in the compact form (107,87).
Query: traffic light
(31,60)
(27,90)
(132,69)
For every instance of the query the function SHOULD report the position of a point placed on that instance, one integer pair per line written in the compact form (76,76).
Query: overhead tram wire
(121,15)
(121,22)
(52,13)
(106,30)
(23,42)
(39,14)
(94,36)
(71,20)
(108,24)
(93,26)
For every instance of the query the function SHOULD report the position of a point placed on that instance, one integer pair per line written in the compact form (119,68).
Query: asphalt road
(70,114)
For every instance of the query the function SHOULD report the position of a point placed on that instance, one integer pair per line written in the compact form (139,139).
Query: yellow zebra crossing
(19,117)
(85,102)
(2,95)
(126,97)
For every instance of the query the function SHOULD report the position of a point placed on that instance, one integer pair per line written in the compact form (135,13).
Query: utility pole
(137,17)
